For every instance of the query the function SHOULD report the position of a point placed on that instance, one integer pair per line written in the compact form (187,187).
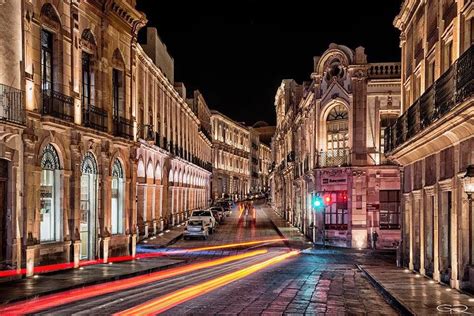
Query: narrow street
(255,278)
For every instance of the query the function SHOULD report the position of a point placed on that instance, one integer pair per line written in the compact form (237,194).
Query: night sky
(237,52)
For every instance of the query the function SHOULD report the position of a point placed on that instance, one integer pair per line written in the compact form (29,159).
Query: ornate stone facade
(328,144)
(433,138)
(231,157)
(97,147)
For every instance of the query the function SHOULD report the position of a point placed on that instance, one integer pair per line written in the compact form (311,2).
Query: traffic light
(317,201)
(327,199)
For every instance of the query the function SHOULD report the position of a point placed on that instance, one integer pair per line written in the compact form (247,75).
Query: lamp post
(468,181)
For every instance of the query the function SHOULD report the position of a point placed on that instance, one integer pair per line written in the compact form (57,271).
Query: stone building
(231,157)
(327,146)
(433,139)
(264,167)
(98,148)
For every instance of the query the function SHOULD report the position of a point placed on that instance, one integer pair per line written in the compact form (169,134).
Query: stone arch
(150,174)
(141,169)
(89,164)
(117,168)
(171,176)
(88,38)
(158,171)
(58,146)
(50,158)
(343,53)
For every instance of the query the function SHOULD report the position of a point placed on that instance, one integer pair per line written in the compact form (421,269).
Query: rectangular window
(389,209)
(117,209)
(430,74)
(118,94)
(46,61)
(335,204)
(86,81)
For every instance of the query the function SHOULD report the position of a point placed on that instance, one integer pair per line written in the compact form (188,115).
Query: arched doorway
(88,223)
(3,211)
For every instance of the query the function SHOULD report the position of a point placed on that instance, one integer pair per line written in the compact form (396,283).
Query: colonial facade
(98,147)
(328,144)
(231,175)
(434,138)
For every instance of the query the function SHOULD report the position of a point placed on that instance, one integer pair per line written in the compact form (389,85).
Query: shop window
(117,197)
(50,219)
(336,210)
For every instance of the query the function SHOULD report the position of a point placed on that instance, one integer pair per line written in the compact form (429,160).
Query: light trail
(168,301)
(234,245)
(70,296)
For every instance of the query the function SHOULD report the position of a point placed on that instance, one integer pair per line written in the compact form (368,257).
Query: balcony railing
(123,127)
(11,105)
(146,132)
(384,70)
(451,89)
(334,158)
(95,118)
(58,105)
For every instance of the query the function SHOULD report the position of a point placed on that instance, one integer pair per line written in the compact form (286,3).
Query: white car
(207,218)
(195,228)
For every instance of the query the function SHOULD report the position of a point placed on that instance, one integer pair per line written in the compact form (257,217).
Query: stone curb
(392,300)
(91,282)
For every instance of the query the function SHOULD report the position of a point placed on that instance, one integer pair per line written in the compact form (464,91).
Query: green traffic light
(317,202)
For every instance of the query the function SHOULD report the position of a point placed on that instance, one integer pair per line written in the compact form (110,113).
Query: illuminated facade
(98,146)
(433,138)
(231,175)
(328,144)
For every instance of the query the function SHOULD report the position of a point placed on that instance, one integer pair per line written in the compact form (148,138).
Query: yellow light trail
(168,301)
(62,298)
(248,243)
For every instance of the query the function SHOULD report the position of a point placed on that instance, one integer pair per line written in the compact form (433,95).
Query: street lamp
(468,181)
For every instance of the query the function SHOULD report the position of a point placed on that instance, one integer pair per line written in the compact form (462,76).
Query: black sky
(237,52)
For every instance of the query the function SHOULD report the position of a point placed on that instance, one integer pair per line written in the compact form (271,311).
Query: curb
(89,283)
(389,298)
(172,241)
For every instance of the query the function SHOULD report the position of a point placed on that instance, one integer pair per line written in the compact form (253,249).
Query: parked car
(225,206)
(207,217)
(218,212)
(196,228)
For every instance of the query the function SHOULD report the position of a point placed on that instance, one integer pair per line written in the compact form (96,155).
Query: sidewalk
(53,282)
(164,239)
(417,294)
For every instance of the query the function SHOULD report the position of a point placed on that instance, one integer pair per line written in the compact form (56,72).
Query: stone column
(359,108)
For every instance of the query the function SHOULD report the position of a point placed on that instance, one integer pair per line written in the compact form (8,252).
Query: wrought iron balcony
(95,118)
(452,88)
(11,105)
(334,158)
(58,105)
(146,132)
(123,127)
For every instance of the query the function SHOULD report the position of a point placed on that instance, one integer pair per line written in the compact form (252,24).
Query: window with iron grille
(389,209)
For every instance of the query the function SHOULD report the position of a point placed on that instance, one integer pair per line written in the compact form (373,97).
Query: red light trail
(70,296)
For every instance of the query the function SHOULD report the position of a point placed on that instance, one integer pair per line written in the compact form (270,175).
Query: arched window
(88,198)
(117,197)
(50,217)
(337,128)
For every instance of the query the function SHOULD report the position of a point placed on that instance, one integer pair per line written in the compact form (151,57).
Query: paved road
(314,281)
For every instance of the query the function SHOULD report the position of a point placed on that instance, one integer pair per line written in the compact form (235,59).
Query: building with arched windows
(98,146)
(328,145)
